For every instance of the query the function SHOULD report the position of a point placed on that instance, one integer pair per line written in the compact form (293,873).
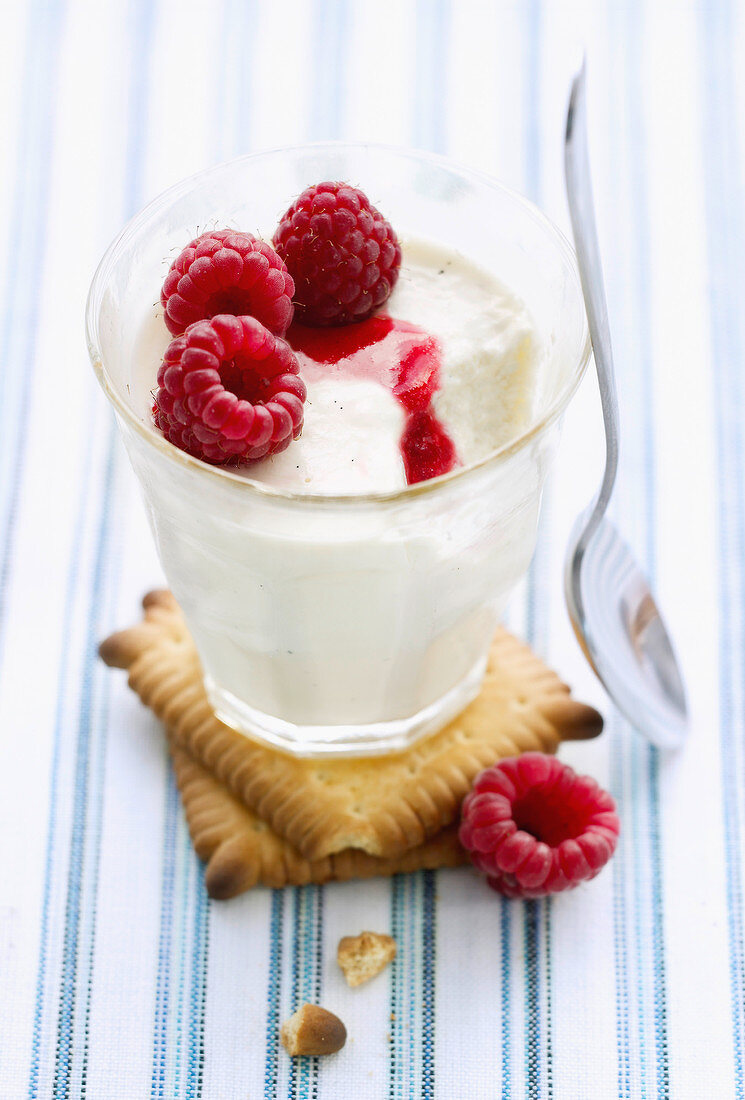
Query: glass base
(339,741)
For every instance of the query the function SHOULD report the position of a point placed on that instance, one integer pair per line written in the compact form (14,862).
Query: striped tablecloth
(118,977)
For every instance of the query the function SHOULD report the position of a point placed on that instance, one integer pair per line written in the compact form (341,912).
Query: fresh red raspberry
(535,827)
(341,252)
(229,391)
(227,272)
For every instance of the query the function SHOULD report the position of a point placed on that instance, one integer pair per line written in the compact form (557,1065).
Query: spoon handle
(579,194)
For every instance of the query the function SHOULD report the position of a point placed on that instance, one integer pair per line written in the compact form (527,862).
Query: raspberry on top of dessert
(341,252)
(227,272)
(228,388)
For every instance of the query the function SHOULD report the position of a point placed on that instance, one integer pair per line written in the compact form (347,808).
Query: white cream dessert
(316,624)
(353,425)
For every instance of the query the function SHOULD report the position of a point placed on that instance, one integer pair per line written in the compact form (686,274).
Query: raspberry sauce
(403,358)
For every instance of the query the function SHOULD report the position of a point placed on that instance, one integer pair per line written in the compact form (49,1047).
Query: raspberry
(228,390)
(341,252)
(535,827)
(227,272)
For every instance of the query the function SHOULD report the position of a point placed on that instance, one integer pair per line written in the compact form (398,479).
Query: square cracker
(242,851)
(383,805)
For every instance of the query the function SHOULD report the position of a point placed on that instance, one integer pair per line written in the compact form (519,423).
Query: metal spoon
(611,607)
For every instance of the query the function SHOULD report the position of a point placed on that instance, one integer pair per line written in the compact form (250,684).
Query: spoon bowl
(623,636)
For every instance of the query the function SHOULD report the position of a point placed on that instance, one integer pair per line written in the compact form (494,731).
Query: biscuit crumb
(313,1030)
(362,957)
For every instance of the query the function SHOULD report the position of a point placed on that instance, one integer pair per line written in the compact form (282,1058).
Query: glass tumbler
(348,624)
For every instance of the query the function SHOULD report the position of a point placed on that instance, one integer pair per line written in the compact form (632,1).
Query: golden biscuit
(382,805)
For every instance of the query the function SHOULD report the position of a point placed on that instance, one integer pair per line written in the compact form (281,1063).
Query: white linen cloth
(118,977)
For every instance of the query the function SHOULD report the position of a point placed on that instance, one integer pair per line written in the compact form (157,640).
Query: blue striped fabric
(28,239)
(119,976)
(725,174)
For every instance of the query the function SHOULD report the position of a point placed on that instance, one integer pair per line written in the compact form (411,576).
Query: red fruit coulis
(403,358)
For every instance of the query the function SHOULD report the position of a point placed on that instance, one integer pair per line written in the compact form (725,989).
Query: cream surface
(353,425)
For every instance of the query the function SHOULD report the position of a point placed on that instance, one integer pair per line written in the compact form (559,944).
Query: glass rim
(247,485)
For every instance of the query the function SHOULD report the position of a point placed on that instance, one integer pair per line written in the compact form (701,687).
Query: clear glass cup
(344,624)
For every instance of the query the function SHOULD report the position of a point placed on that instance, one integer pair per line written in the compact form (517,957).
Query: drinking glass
(346,624)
